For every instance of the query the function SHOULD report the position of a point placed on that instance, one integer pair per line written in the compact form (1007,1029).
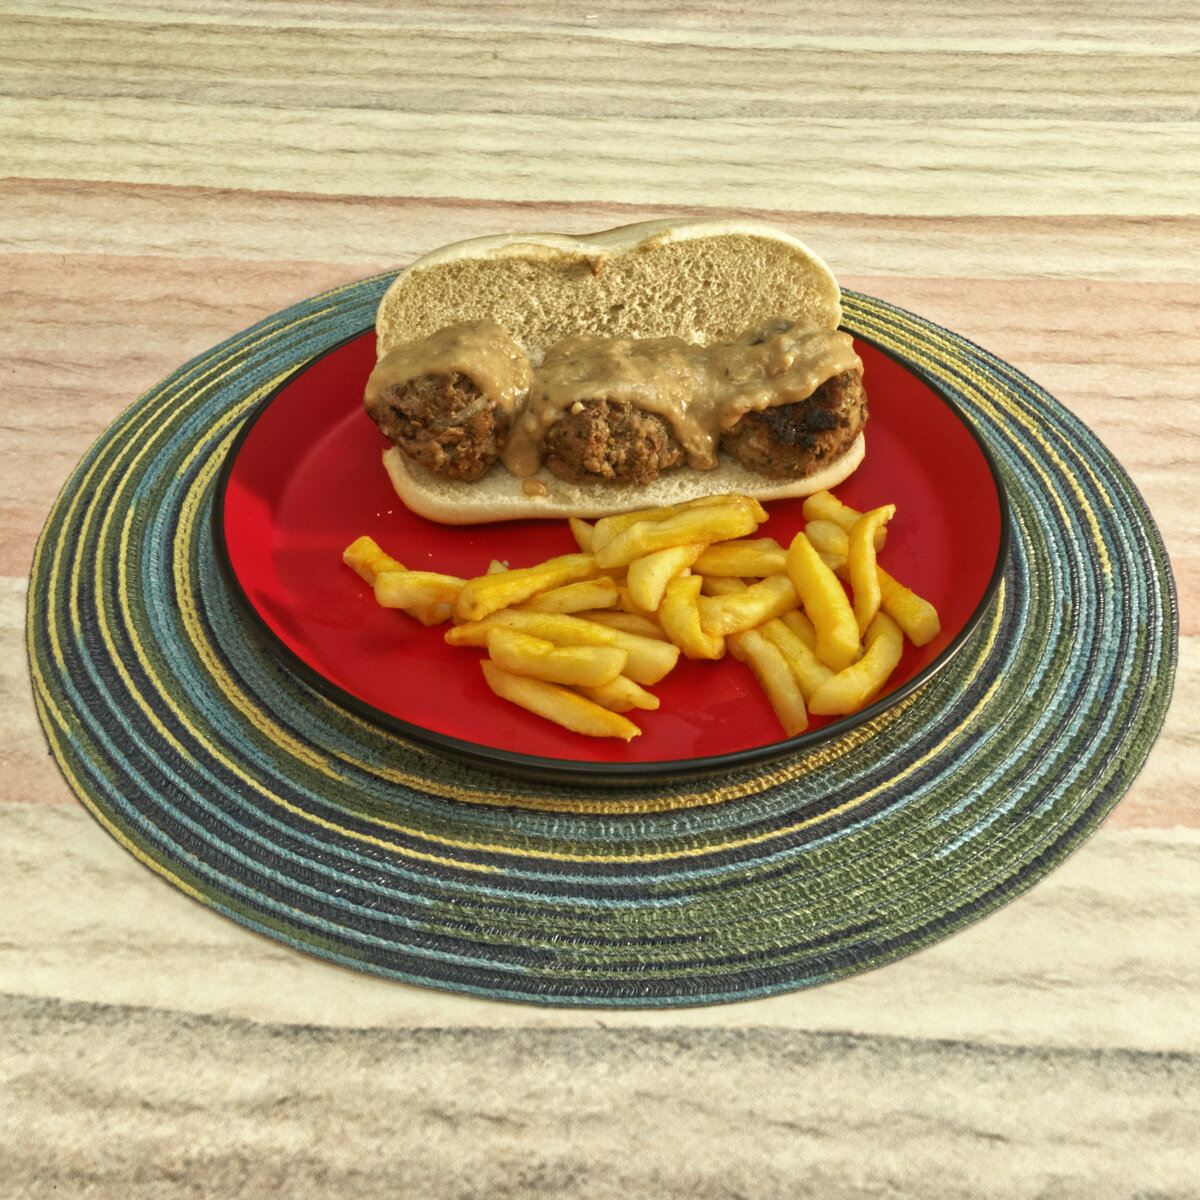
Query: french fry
(581,531)
(523,654)
(704,523)
(855,686)
(643,624)
(558,704)
(826,603)
(578,638)
(755,557)
(606,528)
(427,596)
(915,615)
(431,614)
(625,601)
(809,670)
(861,565)
(368,560)
(621,695)
(586,594)
(409,589)
(825,506)
(748,606)
(831,541)
(486,594)
(650,659)
(722,585)
(800,624)
(679,614)
(775,678)
(647,577)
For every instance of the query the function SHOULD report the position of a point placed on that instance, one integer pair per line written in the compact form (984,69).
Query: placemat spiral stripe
(220,770)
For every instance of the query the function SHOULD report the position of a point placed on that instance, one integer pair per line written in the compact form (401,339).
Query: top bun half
(700,280)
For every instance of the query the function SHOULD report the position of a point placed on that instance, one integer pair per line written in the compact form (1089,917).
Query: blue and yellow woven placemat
(217,768)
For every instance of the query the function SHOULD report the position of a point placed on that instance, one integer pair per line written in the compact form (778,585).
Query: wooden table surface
(1025,174)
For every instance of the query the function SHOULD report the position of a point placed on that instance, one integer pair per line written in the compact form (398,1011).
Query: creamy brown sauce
(699,390)
(658,375)
(480,350)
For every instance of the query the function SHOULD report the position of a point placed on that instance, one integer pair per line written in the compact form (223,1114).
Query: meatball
(610,440)
(792,440)
(444,423)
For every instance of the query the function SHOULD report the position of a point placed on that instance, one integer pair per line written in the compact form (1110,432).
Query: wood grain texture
(630,111)
(1024,174)
(152,1104)
(368,233)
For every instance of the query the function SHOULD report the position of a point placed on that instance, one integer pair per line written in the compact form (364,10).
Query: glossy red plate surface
(305,479)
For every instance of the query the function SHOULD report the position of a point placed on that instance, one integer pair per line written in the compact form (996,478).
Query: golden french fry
(703,523)
(832,542)
(621,695)
(775,678)
(606,528)
(680,617)
(368,560)
(426,596)
(558,704)
(487,593)
(826,603)
(825,506)
(643,624)
(852,688)
(749,606)
(410,589)
(624,602)
(577,638)
(800,624)
(647,577)
(523,654)
(916,616)
(582,533)
(755,557)
(586,594)
(431,614)
(722,585)
(649,658)
(860,563)
(809,670)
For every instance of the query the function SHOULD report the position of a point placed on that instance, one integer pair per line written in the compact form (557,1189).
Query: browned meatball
(792,440)
(610,440)
(444,423)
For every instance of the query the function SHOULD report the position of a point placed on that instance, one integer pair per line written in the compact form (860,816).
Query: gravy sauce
(699,390)
(480,350)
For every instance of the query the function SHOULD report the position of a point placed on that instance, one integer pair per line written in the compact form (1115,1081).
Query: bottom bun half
(501,496)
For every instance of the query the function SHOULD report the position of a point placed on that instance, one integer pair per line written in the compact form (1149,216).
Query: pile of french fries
(581,638)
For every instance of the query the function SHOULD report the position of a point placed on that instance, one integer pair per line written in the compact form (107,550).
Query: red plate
(305,480)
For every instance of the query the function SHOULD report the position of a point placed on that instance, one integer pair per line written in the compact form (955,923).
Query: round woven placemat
(223,772)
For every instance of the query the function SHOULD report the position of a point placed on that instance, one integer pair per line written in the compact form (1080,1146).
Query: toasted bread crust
(500,496)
